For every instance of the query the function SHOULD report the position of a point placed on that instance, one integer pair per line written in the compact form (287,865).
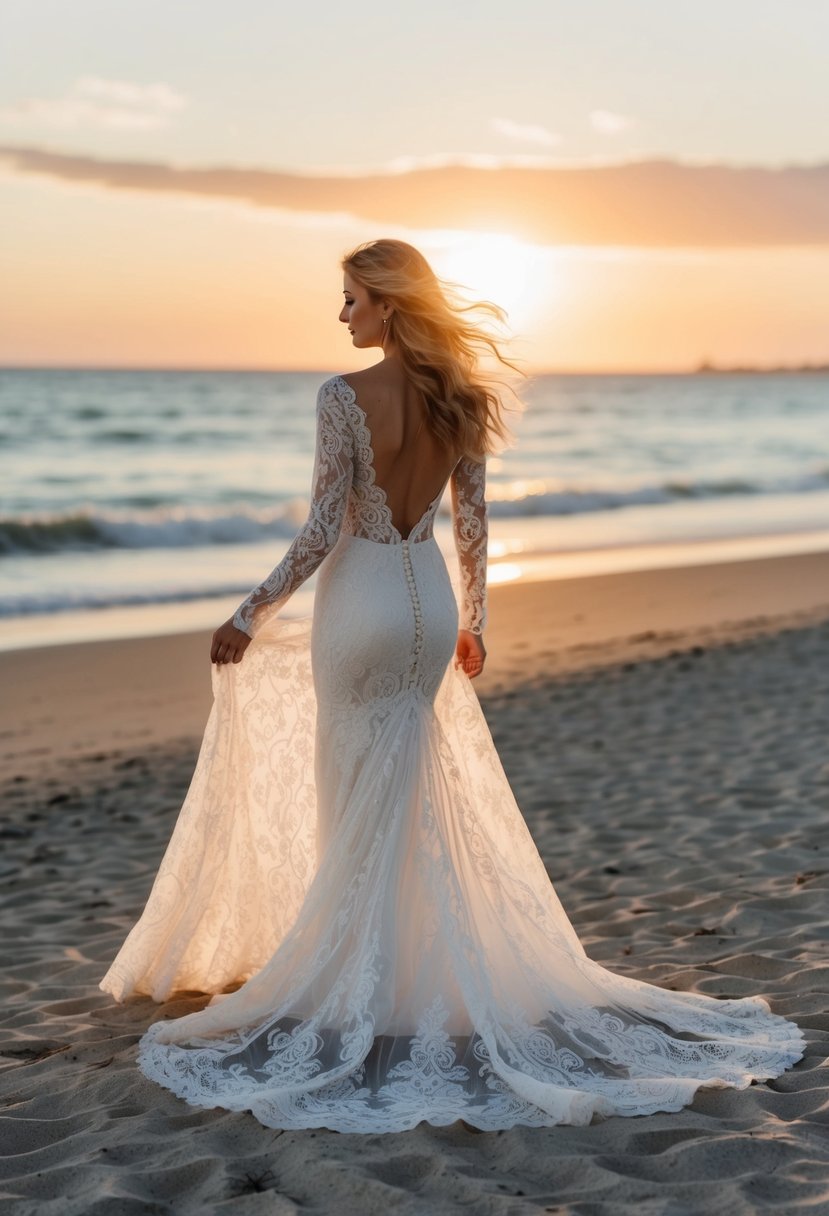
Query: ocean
(139,501)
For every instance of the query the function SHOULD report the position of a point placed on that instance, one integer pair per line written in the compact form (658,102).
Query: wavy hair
(440,344)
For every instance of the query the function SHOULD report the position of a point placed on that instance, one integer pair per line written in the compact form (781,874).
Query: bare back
(410,465)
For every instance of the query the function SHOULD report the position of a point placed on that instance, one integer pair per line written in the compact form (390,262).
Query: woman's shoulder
(331,385)
(335,389)
(377,378)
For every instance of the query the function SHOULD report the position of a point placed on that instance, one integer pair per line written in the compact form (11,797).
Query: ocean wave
(51,604)
(578,501)
(89,529)
(163,528)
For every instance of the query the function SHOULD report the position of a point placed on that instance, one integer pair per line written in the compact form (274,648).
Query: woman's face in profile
(362,315)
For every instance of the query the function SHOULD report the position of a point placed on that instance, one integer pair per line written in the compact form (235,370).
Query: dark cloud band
(660,203)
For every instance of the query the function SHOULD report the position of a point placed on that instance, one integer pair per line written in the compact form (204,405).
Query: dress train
(421,966)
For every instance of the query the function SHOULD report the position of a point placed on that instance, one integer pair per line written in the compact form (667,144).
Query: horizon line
(703,367)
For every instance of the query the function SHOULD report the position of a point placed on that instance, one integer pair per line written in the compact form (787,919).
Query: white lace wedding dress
(350,849)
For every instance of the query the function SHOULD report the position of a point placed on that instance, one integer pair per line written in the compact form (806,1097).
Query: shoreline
(81,698)
(512,561)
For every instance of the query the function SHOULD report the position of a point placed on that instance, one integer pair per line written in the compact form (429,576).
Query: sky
(642,186)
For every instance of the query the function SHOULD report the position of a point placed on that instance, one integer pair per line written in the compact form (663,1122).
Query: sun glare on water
(497,267)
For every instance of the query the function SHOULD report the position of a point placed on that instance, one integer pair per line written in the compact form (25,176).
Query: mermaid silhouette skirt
(351,854)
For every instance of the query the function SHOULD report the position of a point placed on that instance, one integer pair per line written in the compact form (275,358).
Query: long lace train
(405,953)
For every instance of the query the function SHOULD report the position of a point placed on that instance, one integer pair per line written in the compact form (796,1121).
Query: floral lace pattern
(345,497)
(470,512)
(352,881)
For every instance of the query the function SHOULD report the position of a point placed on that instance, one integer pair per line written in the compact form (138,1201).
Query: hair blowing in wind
(441,344)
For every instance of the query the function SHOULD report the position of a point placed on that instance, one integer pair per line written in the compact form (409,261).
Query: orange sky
(103,275)
(619,178)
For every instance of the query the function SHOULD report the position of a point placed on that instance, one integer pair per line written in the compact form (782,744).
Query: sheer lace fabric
(346,497)
(350,851)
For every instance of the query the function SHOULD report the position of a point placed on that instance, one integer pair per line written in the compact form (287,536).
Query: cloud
(525,132)
(647,203)
(609,123)
(159,96)
(93,101)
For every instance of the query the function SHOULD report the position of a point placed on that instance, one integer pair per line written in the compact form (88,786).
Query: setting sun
(498,267)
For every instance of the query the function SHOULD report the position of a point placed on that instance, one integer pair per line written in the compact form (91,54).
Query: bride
(350,877)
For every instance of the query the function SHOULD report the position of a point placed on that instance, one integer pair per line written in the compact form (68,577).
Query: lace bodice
(345,497)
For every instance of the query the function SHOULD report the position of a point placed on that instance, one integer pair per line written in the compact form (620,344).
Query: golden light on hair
(441,338)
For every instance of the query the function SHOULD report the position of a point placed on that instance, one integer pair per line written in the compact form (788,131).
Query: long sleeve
(333,471)
(469,511)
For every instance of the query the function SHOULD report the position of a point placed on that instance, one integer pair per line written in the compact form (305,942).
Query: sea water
(135,501)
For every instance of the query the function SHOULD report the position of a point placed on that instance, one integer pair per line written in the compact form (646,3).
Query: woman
(350,851)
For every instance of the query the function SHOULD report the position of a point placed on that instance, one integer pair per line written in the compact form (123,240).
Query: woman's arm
(470,521)
(333,470)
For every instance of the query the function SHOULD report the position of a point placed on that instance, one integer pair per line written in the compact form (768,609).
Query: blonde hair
(440,346)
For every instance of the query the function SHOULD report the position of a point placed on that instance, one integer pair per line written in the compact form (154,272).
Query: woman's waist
(396,549)
(370,558)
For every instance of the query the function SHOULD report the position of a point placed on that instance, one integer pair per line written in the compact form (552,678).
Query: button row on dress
(410,579)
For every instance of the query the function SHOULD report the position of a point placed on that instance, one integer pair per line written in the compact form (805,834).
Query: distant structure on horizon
(705,366)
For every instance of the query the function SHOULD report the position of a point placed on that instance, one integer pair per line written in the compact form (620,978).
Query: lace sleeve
(469,512)
(333,467)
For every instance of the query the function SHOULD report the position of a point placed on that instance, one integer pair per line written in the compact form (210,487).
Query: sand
(666,735)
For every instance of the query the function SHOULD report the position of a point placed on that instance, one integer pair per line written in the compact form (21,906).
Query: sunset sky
(642,185)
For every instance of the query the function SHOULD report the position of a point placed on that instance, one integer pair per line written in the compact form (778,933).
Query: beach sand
(665,733)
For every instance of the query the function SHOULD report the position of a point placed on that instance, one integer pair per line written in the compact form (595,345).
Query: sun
(498,267)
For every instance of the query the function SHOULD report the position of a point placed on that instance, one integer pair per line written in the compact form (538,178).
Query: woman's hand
(470,653)
(228,644)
